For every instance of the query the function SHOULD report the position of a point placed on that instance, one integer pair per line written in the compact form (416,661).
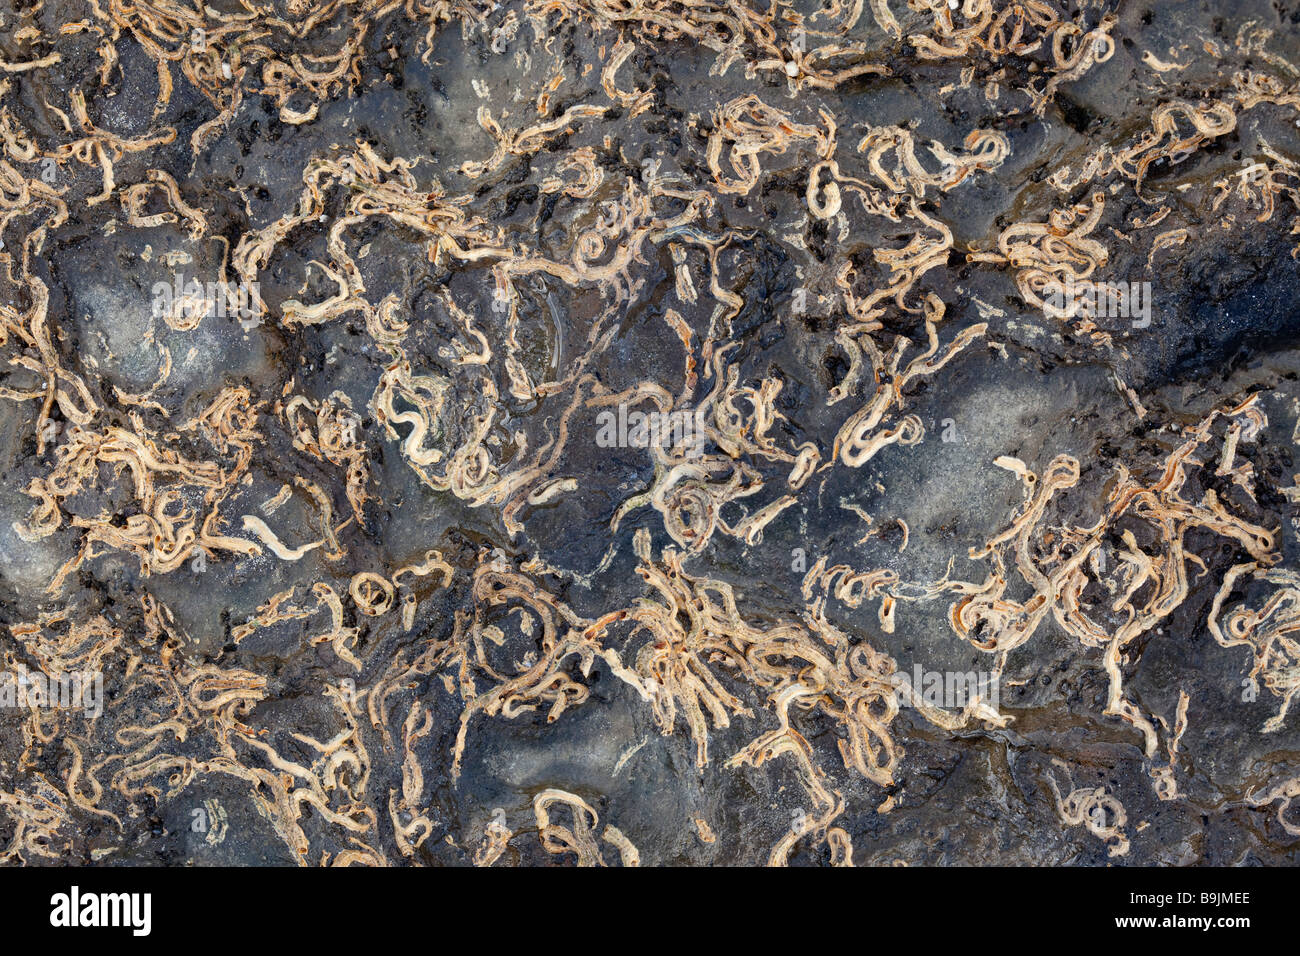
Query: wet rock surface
(972,340)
